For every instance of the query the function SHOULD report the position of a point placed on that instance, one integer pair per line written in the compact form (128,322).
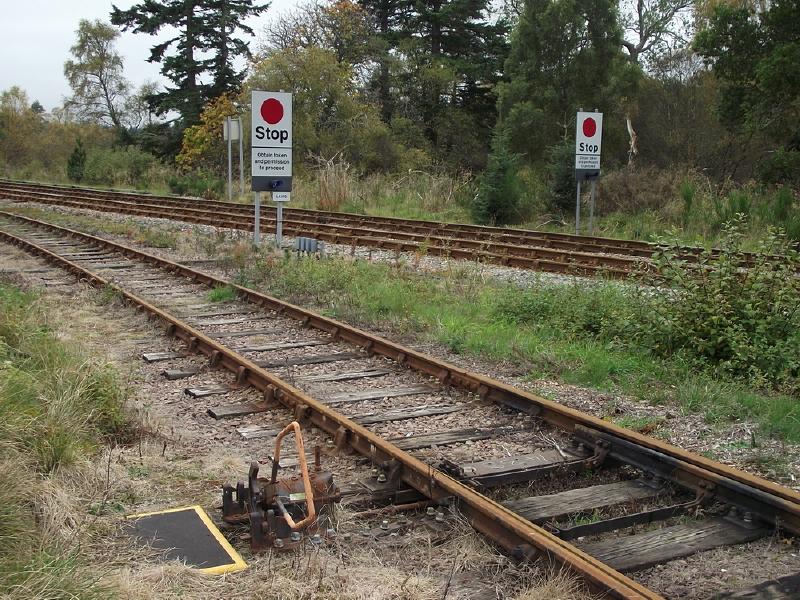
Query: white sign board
(588,141)
(281,196)
(271,157)
(233,124)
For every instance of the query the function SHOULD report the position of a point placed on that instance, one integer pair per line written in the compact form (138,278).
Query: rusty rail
(494,252)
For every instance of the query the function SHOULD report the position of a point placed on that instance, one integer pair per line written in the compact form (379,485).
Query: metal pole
(591,207)
(230,159)
(578,210)
(279,224)
(241,157)
(257,224)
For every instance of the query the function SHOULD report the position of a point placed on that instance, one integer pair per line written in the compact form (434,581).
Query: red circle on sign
(589,127)
(272,111)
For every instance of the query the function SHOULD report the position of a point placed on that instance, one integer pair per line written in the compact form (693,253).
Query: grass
(223,293)
(58,407)
(575,333)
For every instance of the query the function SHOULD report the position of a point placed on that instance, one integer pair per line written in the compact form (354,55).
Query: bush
(119,167)
(499,193)
(781,167)
(561,182)
(715,315)
(76,163)
(635,190)
(199,184)
(334,179)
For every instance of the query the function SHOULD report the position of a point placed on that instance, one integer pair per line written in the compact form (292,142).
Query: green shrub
(223,293)
(199,184)
(499,193)
(745,324)
(599,312)
(76,163)
(781,167)
(561,176)
(127,167)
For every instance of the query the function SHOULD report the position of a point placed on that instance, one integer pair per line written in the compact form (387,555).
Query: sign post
(271,156)
(588,144)
(241,156)
(232,131)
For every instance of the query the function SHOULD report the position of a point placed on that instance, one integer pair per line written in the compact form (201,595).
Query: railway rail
(558,253)
(679,502)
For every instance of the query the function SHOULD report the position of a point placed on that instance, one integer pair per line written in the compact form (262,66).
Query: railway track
(557,253)
(650,502)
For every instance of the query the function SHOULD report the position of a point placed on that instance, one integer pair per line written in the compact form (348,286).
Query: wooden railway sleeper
(702,497)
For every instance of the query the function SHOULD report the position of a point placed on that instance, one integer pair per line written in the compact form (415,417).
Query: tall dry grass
(334,179)
(56,408)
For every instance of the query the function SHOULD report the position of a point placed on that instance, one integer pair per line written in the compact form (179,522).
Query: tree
(202,143)
(756,56)
(341,26)
(458,55)
(76,164)
(499,194)
(99,89)
(391,18)
(654,27)
(329,117)
(20,127)
(205,45)
(37,107)
(565,54)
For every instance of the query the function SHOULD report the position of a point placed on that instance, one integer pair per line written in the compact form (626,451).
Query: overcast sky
(36,35)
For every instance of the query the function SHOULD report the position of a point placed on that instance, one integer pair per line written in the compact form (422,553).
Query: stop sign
(588,138)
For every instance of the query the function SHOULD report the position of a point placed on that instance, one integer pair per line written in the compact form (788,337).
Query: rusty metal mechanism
(279,510)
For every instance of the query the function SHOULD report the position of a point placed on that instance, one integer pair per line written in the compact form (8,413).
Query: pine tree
(564,54)
(391,19)
(456,35)
(206,45)
(76,163)
(499,195)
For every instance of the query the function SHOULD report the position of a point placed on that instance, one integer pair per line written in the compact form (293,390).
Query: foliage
(206,45)
(76,164)
(783,166)
(561,176)
(341,26)
(200,184)
(564,54)
(330,117)
(499,194)
(123,167)
(96,75)
(756,55)
(745,324)
(203,145)
(223,293)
